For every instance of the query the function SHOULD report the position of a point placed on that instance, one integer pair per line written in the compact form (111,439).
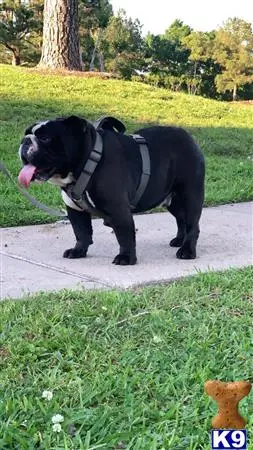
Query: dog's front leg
(123,225)
(81,223)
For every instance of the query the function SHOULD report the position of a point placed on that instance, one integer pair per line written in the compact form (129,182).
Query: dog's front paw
(125,260)
(75,253)
(176,242)
(186,253)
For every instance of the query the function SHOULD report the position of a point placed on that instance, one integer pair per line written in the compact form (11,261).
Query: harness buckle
(139,139)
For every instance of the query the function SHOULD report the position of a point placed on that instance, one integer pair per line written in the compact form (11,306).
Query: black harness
(77,191)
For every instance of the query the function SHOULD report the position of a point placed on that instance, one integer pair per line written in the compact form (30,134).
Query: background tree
(177,31)
(233,50)
(174,36)
(200,46)
(20,27)
(124,45)
(93,20)
(61,48)
(167,58)
(211,64)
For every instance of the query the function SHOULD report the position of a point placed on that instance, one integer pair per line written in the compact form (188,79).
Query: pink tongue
(26,174)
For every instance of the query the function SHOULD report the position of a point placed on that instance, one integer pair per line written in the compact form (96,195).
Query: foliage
(200,46)
(177,31)
(123,34)
(126,64)
(93,19)
(233,50)
(20,28)
(123,43)
(165,53)
(192,58)
(181,60)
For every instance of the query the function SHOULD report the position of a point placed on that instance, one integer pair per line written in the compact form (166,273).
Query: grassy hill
(224,130)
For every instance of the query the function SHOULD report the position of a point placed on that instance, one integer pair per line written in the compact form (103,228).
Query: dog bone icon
(228,395)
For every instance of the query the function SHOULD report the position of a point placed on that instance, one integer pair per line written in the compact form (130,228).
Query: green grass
(223,130)
(119,378)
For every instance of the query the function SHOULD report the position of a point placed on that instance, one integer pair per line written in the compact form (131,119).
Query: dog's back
(175,159)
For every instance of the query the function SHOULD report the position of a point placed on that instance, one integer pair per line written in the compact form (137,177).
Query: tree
(165,53)
(123,34)
(233,50)
(19,26)
(124,44)
(177,31)
(200,45)
(61,47)
(93,20)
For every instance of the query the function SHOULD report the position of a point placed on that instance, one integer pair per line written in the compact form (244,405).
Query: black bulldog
(60,150)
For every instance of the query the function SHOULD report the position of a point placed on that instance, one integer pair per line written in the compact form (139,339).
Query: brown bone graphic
(227,396)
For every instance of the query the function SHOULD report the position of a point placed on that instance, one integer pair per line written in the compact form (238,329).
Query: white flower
(24,424)
(57,427)
(157,339)
(48,395)
(57,418)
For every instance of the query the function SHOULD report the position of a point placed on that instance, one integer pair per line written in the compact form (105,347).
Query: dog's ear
(76,123)
(110,123)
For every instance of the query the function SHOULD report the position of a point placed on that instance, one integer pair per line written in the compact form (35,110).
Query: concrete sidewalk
(31,257)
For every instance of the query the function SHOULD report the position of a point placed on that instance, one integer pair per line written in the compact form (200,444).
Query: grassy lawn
(122,379)
(223,130)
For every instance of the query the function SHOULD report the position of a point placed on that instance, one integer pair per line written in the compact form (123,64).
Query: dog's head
(50,150)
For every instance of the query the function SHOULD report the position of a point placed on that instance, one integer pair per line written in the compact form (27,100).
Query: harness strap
(145,169)
(77,190)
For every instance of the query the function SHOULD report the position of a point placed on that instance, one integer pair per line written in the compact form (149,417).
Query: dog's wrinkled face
(48,148)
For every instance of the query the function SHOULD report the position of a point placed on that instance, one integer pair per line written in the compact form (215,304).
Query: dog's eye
(44,139)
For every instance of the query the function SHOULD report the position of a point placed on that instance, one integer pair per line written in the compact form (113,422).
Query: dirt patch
(244,102)
(4,352)
(68,73)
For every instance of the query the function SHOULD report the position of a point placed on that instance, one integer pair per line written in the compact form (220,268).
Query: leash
(46,209)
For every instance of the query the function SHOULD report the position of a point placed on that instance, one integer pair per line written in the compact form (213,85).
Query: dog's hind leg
(177,210)
(81,223)
(192,204)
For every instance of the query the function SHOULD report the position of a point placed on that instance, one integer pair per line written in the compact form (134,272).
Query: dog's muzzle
(28,148)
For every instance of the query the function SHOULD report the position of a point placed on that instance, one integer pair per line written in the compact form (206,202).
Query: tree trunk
(61,48)
(101,62)
(95,50)
(16,59)
(92,61)
(235,93)
(195,69)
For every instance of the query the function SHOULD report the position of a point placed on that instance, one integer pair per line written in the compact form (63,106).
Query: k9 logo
(229,439)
